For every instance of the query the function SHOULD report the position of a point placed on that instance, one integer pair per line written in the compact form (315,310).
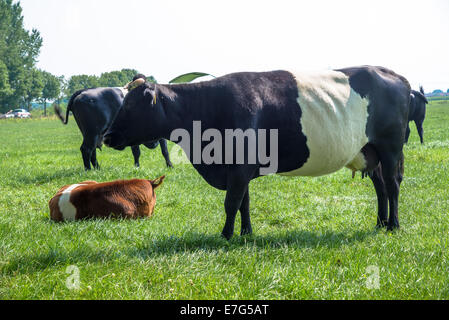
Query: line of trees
(19,50)
(21,82)
(106,79)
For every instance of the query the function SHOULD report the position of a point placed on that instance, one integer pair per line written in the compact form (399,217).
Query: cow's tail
(422,97)
(58,110)
(421,89)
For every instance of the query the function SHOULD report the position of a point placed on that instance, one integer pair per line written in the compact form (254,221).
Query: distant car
(7,115)
(21,113)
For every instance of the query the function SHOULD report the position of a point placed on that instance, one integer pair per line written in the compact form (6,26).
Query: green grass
(314,238)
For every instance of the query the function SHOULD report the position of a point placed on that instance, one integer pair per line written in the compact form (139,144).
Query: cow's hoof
(246,232)
(226,236)
(169,165)
(393,227)
(381,224)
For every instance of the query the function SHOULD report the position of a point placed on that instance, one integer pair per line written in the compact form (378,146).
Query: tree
(34,89)
(118,78)
(5,88)
(19,50)
(31,85)
(151,79)
(79,82)
(63,88)
(106,79)
(110,79)
(127,75)
(51,89)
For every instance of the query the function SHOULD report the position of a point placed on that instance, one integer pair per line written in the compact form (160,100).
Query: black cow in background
(94,110)
(417,112)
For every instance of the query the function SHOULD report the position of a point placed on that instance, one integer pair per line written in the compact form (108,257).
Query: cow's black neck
(185,103)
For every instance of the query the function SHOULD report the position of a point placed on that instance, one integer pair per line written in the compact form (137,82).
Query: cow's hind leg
(382,197)
(420,130)
(235,193)
(136,154)
(93,159)
(392,165)
(87,148)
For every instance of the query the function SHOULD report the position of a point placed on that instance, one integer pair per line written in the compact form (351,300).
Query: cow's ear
(156,183)
(151,94)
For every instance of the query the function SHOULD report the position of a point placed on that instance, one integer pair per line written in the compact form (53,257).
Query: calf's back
(89,199)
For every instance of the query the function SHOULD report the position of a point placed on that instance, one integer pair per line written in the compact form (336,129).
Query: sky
(168,38)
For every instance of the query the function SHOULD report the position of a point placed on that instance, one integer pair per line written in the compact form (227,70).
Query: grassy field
(314,238)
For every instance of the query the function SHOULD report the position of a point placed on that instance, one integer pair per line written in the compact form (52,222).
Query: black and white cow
(417,113)
(354,117)
(94,110)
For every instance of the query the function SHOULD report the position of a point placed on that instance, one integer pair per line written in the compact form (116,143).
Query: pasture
(314,238)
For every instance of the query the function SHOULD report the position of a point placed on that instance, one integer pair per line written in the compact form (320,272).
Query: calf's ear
(156,183)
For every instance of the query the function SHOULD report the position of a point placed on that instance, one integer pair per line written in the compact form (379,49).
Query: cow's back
(333,120)
(94,109)
(417,109)
(323,119)
(122,198)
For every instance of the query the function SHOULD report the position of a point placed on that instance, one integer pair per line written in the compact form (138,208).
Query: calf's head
(138,118)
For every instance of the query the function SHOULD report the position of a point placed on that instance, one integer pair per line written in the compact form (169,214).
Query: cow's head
(133,124)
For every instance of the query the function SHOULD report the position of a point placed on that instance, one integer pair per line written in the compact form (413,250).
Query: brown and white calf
(90,199)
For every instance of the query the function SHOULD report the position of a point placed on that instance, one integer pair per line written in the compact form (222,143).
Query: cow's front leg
(234,197)
(136,154)
(244,212)
(420,130)
(165,153)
